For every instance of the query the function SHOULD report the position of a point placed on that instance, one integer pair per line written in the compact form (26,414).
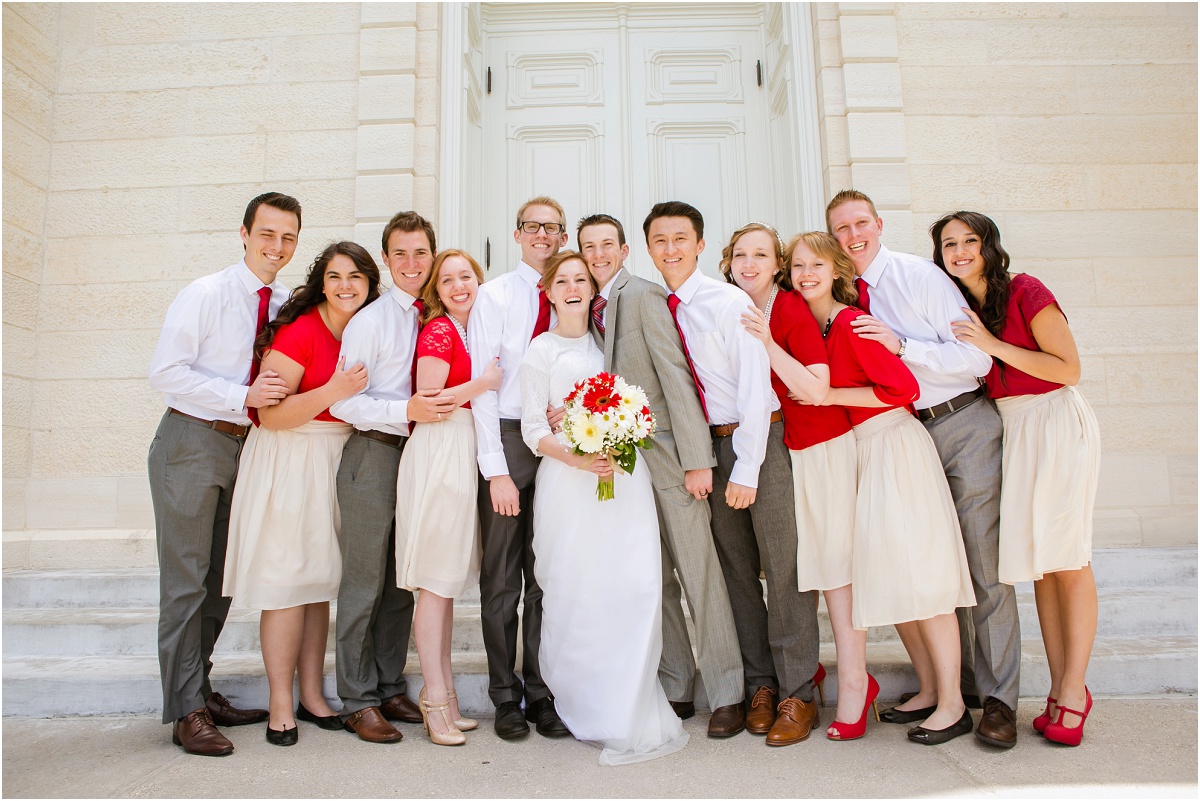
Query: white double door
(618,113)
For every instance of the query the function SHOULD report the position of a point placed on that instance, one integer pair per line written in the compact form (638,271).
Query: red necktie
(673,304)
(542,325)
(864,295)
(419,305)
(598,312)
(264,307)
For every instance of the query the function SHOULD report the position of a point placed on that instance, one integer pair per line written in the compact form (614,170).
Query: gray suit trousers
(780,642)
(192,472)
(374,616)
(688,548)
(506,566)
(969,444)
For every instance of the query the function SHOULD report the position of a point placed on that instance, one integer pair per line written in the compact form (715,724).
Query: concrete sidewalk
(1133,747)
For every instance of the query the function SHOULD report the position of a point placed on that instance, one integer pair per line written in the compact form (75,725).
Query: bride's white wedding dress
(599,567)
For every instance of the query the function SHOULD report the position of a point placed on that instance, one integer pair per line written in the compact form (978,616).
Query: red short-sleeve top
(794,329)
(858,362)
(440,339)
(309,342)
(1026,297)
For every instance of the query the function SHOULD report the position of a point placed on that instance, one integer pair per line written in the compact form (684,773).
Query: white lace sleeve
(535,393)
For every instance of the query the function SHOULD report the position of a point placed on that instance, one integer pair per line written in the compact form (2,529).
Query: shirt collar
(687,290)
(874,273)
(529,275)
(607,291)
(402,298)
(250,280)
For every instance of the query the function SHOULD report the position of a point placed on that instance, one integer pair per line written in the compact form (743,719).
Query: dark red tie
(419,305)
(598,312)
(864,295)
(673,304)
(264,308)
(542,325)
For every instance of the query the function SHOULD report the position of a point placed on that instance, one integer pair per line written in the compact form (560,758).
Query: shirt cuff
(492,465)
(915,351)
(744,474)
(235,399)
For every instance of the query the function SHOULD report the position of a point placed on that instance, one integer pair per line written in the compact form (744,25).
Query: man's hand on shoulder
(430,405)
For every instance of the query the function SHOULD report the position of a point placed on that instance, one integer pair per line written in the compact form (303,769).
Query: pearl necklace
(770,303)
(462,334)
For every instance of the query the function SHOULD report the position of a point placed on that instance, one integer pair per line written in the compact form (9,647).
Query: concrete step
(56,686)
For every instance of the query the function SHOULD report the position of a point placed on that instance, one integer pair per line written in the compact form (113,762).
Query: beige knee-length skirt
(285,523)
(824,479)
(909,559)
(437,522)
(1051,469)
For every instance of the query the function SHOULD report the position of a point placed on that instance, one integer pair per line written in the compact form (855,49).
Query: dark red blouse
(440,339)
(309,342)
(858,362)
(1027,296)
(794,329)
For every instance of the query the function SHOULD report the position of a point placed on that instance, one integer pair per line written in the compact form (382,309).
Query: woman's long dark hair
(995,265)
(312,291)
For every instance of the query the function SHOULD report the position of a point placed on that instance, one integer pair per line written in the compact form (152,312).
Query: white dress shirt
(383,337)
(732,365)
(203,358)
(501,324)
(918,302)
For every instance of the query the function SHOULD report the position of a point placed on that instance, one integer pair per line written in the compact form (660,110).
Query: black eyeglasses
(552,228)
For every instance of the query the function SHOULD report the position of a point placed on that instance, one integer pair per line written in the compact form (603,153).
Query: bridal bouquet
(605,415)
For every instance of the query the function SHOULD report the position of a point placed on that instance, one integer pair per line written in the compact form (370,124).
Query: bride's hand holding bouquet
(607,419)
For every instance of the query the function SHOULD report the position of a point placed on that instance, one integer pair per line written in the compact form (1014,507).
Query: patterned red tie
(598,305)
(673,304)
(542,325)
(419,305)
(864,295)
(264,307)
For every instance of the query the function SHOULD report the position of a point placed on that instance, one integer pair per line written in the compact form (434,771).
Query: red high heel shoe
(852,731)
(1043,720)
(819,680)
(1059,733)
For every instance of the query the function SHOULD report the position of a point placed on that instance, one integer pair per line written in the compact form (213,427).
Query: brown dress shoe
(761,716)
(226,714)
(796,719)
(370,725)
(998,726)
(400,708)
(197,734)
(727,721)
(684,709)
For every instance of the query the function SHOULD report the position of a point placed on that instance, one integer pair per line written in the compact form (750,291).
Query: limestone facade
(135,133)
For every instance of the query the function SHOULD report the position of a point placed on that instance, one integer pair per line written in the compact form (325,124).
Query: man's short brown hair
(847,196)
(408,221)
(602,219)
(276,200)
(543,200)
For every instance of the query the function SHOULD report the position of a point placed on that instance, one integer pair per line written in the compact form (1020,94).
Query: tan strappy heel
(463,724)
(452,735)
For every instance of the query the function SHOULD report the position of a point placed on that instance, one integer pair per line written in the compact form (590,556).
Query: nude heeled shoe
(452,736)
(463,724)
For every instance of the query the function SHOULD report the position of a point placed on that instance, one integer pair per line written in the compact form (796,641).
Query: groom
(631,323)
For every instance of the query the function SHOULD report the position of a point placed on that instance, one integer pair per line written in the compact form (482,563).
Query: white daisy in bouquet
(608,416)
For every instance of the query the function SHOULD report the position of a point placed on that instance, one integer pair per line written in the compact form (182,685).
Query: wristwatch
(903,345)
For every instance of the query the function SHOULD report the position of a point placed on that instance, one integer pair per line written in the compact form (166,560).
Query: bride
(597,562)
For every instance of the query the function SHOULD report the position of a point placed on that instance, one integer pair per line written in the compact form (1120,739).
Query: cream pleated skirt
(1051,468)
(824,478)
(284,525)
(437,522)
(909,560)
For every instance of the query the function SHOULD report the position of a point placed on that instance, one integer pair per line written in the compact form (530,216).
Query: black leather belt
(949,407)
(379,436)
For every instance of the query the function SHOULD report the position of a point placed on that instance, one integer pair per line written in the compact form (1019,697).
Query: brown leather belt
(224,426)
(728,429)
(953,405)
(379,436)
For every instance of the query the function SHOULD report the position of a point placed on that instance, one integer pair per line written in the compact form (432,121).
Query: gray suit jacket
(641,344)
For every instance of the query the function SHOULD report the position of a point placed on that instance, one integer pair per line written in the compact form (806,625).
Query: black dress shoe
(894,715)
(285,737)
(924,736)
(542,713)
(329,723)
(510,723)
(684,709)
(972,701)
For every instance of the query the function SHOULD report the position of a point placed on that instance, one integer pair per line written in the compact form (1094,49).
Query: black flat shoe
(894,715)
(510,723)
(972,701)
(330,723)
(542,713)
(920,734)
(285,737)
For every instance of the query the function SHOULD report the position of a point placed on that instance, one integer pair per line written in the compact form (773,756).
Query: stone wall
(1073,125)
